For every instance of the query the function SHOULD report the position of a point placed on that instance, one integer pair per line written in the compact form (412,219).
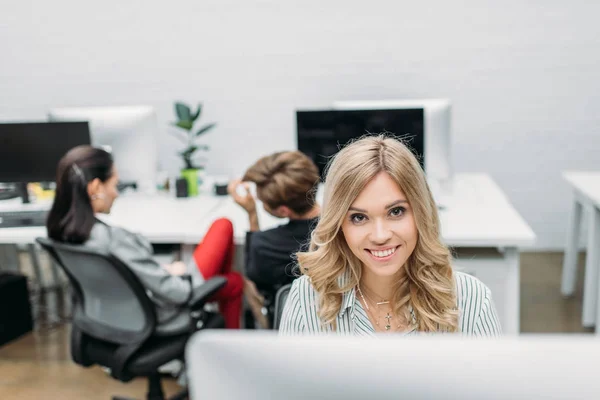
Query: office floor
(38,365)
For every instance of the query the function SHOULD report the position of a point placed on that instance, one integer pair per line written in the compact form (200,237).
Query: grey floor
(543,309)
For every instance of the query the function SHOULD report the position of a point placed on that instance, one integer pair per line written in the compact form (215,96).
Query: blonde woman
(376,262)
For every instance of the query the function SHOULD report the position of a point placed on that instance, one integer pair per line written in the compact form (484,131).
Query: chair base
(182,395)
(155,391)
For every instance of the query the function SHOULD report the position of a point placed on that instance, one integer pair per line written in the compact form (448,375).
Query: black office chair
(114,320)
(268,308)
(280,299)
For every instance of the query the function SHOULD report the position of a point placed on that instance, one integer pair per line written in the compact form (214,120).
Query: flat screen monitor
(128,132)
(29,152)
(437,134)
(259,365)
(322,133)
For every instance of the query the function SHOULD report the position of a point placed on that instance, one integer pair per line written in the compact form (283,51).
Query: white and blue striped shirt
(477,314)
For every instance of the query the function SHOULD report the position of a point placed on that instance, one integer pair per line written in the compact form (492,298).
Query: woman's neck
(380,286)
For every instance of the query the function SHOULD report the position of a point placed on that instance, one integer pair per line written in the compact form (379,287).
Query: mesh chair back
(110,303)
(280,299)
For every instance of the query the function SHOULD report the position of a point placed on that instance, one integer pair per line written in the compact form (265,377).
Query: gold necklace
(388,317)
(378,303)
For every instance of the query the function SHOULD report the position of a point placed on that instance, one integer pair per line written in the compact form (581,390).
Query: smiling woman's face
(380,228)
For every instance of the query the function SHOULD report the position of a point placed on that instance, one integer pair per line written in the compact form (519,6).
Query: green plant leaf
(183,111)
(189,151)
(187,125)
(205,129)
(197,113)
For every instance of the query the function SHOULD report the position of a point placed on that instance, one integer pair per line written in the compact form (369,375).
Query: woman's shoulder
(99,235)
(103,234)
(477,314)
(303,287)
(471,294)
(305,296)
(467,283)
(301,314)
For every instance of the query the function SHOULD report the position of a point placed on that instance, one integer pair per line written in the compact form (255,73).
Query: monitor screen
(29,152)
(127,131)
(321,134)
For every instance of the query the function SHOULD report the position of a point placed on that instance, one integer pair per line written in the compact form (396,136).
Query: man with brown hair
(286,184)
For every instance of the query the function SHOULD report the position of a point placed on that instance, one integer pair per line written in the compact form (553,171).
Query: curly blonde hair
(427,284)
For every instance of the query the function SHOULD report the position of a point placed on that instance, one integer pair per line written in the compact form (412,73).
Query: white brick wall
(524,77)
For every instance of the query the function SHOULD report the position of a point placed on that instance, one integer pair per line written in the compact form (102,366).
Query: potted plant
(186,120)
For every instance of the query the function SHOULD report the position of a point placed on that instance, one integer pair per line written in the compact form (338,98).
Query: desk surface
(160,218)
(478,214)
(585,183)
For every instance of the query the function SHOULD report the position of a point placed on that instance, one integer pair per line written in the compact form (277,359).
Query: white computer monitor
(437,137)
(130,132)
(255,365)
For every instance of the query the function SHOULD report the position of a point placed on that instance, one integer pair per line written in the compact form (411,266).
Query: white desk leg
(590,288)
(594,243)
(513,292)
(569,272)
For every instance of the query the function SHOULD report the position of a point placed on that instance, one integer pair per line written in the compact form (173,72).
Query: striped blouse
(477,314)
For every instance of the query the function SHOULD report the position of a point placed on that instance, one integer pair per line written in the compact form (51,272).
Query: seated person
(87,185)
(286,183)
(376,261)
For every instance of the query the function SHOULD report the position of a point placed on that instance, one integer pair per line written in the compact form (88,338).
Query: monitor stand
(22,189)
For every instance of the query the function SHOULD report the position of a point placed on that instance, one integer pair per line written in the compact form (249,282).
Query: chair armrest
(203,293)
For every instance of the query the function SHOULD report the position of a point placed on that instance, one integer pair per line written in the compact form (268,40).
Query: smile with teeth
(383,253)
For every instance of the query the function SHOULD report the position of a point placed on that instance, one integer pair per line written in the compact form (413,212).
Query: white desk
(160,218)
(164,219)
(586,193)
(478,217)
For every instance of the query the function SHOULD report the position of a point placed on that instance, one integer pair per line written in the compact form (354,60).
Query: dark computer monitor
(29,152)
(322,133)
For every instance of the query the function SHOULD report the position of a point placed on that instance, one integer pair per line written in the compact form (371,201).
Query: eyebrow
(395,203)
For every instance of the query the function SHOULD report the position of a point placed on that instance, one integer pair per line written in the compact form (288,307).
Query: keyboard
(16,219)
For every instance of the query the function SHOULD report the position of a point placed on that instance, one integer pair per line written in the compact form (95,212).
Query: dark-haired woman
(86,184)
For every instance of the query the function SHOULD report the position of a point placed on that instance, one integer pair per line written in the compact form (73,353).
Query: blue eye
(397,211)
(357,218)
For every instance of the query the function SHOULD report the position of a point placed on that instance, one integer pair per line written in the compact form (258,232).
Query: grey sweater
(170,293)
